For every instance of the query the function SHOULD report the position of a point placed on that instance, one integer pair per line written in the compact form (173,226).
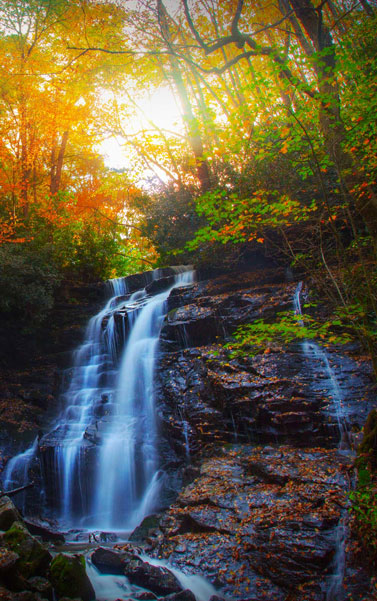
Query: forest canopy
(274,151)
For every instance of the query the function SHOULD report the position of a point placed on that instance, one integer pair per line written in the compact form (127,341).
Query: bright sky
(161,108)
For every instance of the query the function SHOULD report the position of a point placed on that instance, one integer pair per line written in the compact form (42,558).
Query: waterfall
(318,357)
(100,463)
(16,472)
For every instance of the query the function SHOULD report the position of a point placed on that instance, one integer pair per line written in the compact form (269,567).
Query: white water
(110,588)
(335,591)
(114,408)
(103,447)
(16,472)
(318,359)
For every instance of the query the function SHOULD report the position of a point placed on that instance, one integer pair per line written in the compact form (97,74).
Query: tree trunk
(331,123)
(192,124)
(57,164)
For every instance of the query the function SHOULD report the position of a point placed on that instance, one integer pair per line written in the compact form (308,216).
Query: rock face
(261,522)
(278,396)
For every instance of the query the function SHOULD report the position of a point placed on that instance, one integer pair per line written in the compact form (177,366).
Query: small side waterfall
(16,472)
(318,359)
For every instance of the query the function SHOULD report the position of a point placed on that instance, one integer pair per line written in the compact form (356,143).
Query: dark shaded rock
(8,560)
(45,532)
(146,529)
(42,586)
(158,579)
(34,559)
(186,595)
(108,561)
(145,596)
(26,596)
(8,513)
(160,285)
(69,579)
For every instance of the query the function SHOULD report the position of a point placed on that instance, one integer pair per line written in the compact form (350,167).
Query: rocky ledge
(265,523)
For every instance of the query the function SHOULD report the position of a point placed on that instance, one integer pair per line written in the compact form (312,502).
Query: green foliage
(170,220)
(83,252)
(235,219)
(256,337)
(28,279)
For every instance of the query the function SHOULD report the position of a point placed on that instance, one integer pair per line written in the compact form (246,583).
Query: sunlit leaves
(260,335)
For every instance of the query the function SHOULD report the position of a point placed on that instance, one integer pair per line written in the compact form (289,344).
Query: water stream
(101,468)
(318,360)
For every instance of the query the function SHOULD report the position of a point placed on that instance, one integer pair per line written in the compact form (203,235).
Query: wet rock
(145,596)
(45,531)
(146,529)
(34,559)
(108,561)
(69,579)
(160,285)
(8,513)
(158,579)
(186,595)
(260,522)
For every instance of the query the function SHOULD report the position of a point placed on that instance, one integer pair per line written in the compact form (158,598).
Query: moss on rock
(34,559)
(69,578)
(368,446)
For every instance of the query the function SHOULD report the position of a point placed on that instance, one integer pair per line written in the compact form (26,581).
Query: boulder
(185,595)
(147,528)
(34,559)
(107,561)
(155,578)
(69,578)
(8,513)
(42,586)
(45,531)
(8,560)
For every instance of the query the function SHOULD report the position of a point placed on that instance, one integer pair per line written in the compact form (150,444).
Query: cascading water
(109,422)
(128,478)
(318,358)
(17,469)
(103,448)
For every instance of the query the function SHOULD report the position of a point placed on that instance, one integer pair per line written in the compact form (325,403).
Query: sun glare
(160,110)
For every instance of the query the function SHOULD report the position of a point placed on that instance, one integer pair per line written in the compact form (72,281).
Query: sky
(161,108)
